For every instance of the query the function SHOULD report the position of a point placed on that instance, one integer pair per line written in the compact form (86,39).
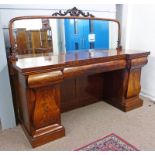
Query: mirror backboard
(42,34)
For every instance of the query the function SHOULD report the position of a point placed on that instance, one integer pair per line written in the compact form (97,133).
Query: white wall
(10,11)
(122,14)
(6,107)
(140,35)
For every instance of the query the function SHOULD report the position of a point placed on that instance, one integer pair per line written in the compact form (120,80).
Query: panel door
(76,34)
(101,31)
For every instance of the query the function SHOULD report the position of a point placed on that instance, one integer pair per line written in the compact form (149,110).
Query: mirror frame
(74,14)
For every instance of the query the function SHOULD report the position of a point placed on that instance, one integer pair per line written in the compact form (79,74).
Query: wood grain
(38,80)
(68,81)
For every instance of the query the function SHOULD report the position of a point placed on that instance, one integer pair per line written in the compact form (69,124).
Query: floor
(90,123)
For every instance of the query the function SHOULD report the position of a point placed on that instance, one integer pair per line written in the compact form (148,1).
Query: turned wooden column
(122,87)
(40,109)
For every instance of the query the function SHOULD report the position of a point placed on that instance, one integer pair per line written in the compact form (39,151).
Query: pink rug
(111,142)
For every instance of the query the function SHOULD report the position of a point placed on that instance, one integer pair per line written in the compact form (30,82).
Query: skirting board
(150,97)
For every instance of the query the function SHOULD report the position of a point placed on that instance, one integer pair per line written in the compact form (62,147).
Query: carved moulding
(73,12)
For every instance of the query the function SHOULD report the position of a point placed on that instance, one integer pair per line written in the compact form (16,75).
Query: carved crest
(73,12)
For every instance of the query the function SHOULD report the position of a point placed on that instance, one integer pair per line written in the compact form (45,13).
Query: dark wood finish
(124,93)
(39,107)
(21,40)
(81,91)
(33,41)
(59,83)
(48,84)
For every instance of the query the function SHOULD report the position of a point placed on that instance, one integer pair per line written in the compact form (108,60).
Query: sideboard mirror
(59,34)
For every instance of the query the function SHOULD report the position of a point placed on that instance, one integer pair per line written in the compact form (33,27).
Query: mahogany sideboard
(47,85)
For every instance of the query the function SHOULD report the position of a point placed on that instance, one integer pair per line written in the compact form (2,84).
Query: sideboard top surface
(29,62)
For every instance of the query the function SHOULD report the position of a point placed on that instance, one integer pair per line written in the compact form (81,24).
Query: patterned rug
(111,142)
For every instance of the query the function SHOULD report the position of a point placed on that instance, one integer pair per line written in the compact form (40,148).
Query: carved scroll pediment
(73,12)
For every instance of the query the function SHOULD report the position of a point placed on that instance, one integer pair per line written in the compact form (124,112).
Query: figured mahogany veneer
(49,84)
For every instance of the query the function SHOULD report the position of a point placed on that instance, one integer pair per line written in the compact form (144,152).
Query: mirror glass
(64,35)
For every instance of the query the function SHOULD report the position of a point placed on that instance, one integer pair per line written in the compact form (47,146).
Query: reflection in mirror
(64,35)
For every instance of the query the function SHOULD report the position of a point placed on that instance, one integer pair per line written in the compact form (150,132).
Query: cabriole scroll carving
(73,12)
